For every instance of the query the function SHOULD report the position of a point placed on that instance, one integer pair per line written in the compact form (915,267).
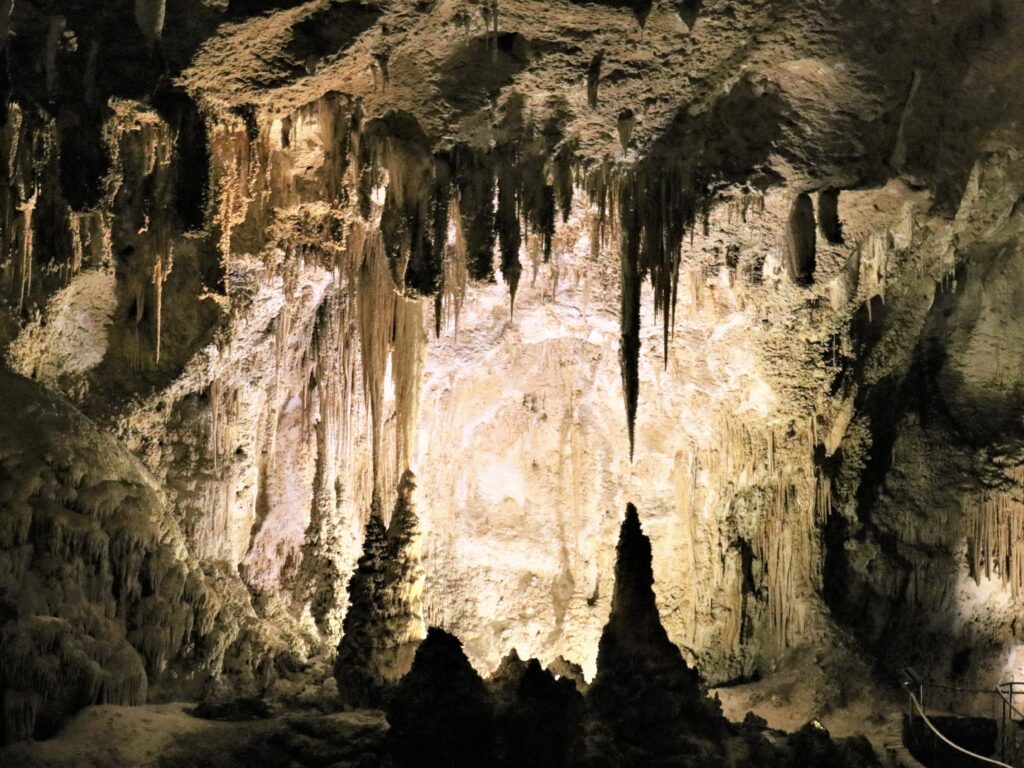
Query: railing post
(1002,730)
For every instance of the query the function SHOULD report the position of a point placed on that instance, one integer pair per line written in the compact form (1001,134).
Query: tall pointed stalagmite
(404,579)
(359,680)
(384,624)
(648,697)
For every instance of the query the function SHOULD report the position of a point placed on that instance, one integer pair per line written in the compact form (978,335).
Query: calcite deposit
(753,267)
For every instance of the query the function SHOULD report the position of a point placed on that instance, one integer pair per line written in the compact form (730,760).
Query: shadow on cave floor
(167,736)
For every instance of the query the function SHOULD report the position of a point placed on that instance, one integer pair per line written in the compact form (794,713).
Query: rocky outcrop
(538,715)
(102,601)
(923,559)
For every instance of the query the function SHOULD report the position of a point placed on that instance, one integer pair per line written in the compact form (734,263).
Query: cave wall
(275,266)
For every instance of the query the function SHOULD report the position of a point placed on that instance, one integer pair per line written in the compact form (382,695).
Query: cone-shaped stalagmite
(644,692)
(384,623)
(440,713)
(359,680)
(404,580)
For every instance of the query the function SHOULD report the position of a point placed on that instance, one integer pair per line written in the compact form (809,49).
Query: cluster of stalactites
(498,196)
(366,314)
(651,207)
(782,508)
(995,533)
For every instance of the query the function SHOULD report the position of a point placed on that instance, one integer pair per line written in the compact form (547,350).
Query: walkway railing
(1011,720)
(1005,713)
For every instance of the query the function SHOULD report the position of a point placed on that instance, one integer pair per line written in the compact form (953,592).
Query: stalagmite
(384,623)
(644,690)
(360,681)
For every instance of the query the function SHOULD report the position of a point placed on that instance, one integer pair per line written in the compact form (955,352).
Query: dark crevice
(801,241)
(191,155)
(828,216)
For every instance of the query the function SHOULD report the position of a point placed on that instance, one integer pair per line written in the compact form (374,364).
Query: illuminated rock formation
(102,602)
(750,265)
(384,622)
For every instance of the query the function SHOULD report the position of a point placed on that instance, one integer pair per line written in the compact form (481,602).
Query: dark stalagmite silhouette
(440,713)
(651,701)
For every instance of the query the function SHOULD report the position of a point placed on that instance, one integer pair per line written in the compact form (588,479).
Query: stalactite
(629,350)
(783,548)
(334,368)
(564,183)
(407,372)
(474,178)
(149,15)
(161,269)
(994,523)
(27,208)
(594,78)
(625,126)
(509,231)
(234,181)
(376,311)
(215,421)
(454,270)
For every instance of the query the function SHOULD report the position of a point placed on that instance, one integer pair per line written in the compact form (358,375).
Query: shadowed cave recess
(507,383)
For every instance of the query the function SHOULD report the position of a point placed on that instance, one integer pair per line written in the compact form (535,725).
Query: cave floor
(167,736)
(830,687)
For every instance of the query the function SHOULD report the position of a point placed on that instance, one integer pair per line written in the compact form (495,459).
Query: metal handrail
(1008,700)
(1008,738)
(937,732)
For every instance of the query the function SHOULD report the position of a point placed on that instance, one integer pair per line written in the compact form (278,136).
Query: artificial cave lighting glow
(486,382)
